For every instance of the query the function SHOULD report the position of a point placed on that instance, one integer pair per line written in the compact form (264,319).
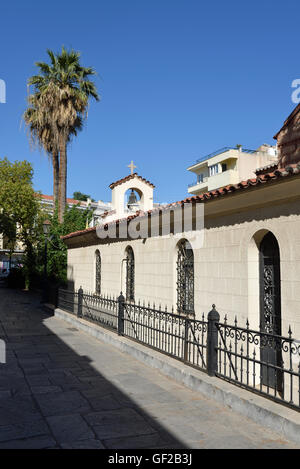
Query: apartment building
(229,165)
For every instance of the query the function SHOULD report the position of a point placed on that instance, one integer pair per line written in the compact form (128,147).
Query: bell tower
(136,184)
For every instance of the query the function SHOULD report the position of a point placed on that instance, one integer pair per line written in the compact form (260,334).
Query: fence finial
(213,314)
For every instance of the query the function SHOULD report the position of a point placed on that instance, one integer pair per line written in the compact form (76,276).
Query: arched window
(185,278)
(270,313)
(129,274)
(270,309)
(97,273)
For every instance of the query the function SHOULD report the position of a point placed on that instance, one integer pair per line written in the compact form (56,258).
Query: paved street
(61,388)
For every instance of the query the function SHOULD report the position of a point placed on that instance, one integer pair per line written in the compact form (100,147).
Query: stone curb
(263,411)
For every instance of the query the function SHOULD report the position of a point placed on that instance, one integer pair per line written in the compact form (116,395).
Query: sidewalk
(62,388)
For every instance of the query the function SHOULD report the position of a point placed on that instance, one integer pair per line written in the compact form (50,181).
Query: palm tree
(63,90)
(39,123)
(41,136)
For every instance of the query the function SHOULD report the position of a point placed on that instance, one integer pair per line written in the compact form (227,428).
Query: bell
(132,198)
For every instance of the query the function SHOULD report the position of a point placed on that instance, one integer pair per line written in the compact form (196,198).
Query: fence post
(56,296)
(121,307)
(186,337)
(212,341)
(80,301)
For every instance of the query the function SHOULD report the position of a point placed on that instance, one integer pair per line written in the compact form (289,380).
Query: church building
(241,250)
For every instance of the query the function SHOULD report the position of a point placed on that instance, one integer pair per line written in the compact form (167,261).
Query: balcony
(223,150)
(197,186)
(219,156)
(231,176)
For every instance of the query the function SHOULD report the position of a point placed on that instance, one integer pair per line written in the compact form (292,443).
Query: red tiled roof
(266,169)
(288,171)
(69,201)
(107,213)
(121,220)
(127,178)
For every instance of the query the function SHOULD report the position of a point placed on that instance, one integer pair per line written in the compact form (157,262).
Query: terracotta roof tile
(288,171)
(69,201)
(127,178)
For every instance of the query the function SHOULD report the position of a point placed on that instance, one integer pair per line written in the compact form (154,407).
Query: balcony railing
(223,150)
(218,180)
(196,183)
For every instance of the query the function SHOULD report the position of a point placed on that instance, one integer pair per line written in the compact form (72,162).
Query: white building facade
(227,257)
(234,248)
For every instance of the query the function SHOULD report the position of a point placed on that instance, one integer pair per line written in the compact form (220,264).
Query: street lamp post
(46,229)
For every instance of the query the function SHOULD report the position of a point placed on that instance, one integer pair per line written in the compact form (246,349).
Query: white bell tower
(136,183)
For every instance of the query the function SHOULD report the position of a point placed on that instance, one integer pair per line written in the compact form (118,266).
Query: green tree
(41,136)
(38,121)
(74,220)
(63,90)
(83,197)
(21,214)
(9,231)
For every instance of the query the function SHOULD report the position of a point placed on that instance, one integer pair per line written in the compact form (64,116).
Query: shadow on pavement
(52,397)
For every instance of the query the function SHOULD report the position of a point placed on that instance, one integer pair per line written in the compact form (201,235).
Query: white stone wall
(226,267)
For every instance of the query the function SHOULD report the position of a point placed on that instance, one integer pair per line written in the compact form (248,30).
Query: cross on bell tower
(132,167)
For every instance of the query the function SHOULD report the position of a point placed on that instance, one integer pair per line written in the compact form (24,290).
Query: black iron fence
(178,336)
(175,335)
(258,361)
(102,310)
(68,301)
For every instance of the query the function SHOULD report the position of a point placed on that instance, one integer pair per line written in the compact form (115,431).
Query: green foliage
(18,200)
(83,197)
(65,70)
(74,220)
(21,220)
(21,216)
(9,230)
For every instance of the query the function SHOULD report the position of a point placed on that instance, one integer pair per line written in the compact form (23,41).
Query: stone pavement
(61,388)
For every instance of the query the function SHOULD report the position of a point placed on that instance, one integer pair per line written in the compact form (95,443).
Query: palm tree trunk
(62,179)
(55,164)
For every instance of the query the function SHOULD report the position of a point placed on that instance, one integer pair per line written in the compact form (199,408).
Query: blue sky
(178,79)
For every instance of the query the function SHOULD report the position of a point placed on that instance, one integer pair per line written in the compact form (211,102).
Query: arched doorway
(270,311)
(185,277)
